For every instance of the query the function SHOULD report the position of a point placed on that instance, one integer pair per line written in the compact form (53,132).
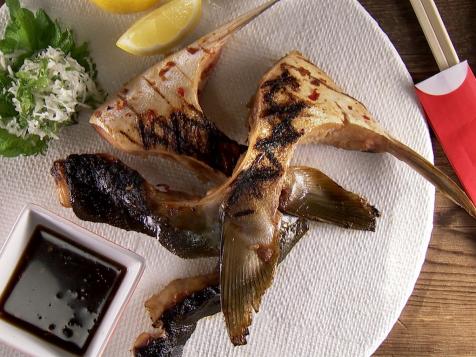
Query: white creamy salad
(57,85)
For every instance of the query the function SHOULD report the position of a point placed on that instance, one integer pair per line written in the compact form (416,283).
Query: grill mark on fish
(283,135)
(274,85)
(168,66)
(179,138)
(143,134)
(129,137)
(146,123)
(194,62)
(192,136)
(204,49)
(146,143)
(149,136)
(157,90)
(175,133)
(203,150)
(185,74)
(252,180)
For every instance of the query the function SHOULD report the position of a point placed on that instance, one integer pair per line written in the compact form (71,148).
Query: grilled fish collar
(342,121)
(100,188)
(176,309)
(296,103)
(158,112)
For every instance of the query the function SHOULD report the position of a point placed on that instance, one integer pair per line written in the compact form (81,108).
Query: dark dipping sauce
(60,291)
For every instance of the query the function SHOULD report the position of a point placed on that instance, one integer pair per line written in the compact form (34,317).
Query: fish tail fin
(313,195)
(246,272)
(228,29)
(432,174)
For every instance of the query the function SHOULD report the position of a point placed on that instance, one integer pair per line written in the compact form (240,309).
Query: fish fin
(246,272)
(291,231)
(311,194)
(439,179)
(231,27)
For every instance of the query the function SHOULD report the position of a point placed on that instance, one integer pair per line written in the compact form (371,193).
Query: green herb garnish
(32,41)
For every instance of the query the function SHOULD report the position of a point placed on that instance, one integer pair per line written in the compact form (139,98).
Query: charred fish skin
(85,174)
(296,102)
(104,190)
(178,321)
(159,112)
(189,138)
(175,311)
(250,247)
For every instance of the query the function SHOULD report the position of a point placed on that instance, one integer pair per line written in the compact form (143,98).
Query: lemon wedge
(160,30)
(125,6)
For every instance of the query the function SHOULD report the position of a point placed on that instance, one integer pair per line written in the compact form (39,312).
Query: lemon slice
(125,6)
(160,30)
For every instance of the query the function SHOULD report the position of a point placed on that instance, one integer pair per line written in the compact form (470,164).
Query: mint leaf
(11,145)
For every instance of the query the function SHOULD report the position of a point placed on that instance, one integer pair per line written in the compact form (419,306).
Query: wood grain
(440,317)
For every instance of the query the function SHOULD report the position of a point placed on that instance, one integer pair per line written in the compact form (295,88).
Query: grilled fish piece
(179,320)
(296,103)
(100,188)
(343,122)
(158,112)
(176,310)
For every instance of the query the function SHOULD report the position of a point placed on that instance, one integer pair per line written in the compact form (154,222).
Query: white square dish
(33,216)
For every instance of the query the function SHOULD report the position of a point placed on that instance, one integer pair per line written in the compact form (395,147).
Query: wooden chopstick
(436,33)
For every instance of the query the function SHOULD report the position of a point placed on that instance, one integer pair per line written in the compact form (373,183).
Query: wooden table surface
(440,317)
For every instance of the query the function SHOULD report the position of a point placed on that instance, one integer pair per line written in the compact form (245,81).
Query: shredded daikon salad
(47,91)
(45,79)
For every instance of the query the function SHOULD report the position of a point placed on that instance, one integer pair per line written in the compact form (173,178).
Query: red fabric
(453,119)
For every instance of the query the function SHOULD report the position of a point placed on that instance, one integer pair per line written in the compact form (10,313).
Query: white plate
(339,292)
